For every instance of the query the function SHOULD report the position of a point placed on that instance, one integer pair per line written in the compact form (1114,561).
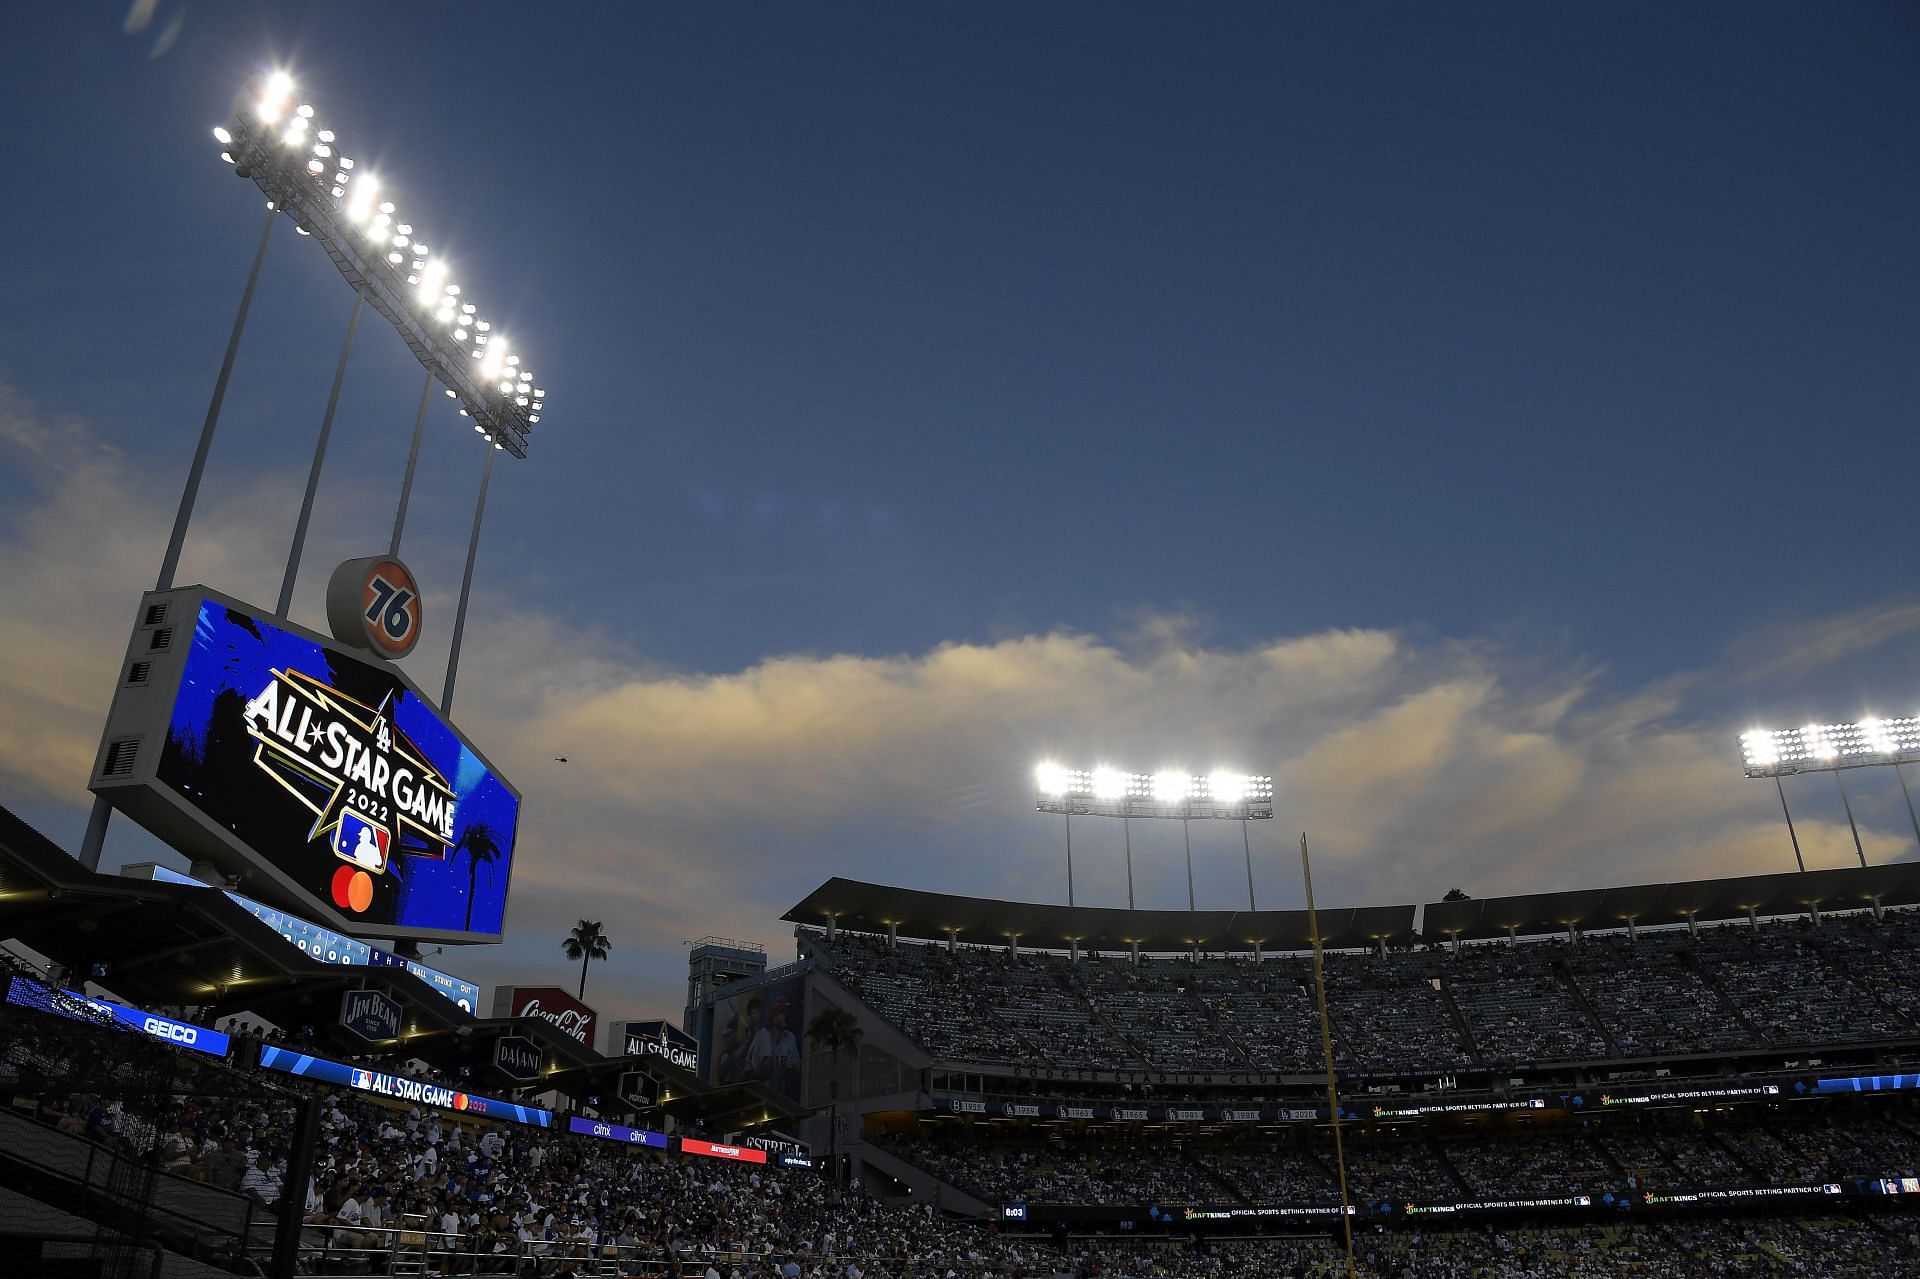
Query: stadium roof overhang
(908,912)
(1702,900)
(171,945)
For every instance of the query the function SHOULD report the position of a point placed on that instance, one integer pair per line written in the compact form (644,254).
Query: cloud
(1801,646)
(707,802)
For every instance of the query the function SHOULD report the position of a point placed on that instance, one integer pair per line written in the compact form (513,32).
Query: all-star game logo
(363,780)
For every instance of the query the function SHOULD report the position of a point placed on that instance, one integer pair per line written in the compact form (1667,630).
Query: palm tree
(482,845)
(586,943)
(836,1031)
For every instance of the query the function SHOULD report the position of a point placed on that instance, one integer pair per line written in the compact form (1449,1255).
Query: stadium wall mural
(754,1035)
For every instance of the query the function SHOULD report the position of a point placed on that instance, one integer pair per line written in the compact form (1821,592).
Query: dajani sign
(549,1004)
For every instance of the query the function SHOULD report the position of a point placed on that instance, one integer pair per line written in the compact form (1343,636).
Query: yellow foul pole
(1326,1048)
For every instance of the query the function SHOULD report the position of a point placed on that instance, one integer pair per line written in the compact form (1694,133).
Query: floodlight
(1815,747)
(1171,786)
(1050,779)
(273,96)
(1877,735)
(1227,788)
(312,185)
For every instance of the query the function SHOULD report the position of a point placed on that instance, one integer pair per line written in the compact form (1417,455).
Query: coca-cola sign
(549,1004)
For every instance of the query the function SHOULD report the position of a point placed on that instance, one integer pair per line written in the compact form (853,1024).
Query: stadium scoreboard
(317,774)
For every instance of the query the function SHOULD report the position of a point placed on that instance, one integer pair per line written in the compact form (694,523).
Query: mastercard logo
(461,1101)
(352,889)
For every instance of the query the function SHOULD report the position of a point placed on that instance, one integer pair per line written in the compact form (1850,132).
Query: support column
(1380,947)
(293,1194)
(953,940)
(1073,949)
(1136,954)
(1848,805)
(1787,813)
(466,584)
(1572,937)
(319,460)
(413,461)
(1512,939)
(893,937)
(1633,929)
(1256,954)
(1875,902)
(1753,918)
(1013,946)
(1693,925)
(1813,913)
(833,927)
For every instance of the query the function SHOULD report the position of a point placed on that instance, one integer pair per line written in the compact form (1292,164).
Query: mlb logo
(359,841)
(363,1080)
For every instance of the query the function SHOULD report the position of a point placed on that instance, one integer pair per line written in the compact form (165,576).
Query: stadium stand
(1494,1004)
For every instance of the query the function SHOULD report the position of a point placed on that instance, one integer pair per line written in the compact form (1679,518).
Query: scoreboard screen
(319,775)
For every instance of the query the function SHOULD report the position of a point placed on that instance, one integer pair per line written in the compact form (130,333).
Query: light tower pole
(278,145)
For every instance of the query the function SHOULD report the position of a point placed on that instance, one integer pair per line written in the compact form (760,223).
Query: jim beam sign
(549,1004)
(370,1015)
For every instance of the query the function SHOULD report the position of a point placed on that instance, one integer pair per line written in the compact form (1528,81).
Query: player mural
(286,754)
(756,1036)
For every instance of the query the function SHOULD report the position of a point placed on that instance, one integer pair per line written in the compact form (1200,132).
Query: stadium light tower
(279,145)
(1106,791)
(1832,748)
(275,141)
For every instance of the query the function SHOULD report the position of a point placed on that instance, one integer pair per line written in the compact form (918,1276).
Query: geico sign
(170,1030)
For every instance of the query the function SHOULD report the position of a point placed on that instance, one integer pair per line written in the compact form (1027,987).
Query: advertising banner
(370,1015)
(741,1154)
(660,1039)
(420,1092)
(180,1034)
(614,1132)
(314,770)
(549,1004)
(517,1057)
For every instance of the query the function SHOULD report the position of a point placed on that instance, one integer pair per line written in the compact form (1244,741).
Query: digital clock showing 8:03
(334,772)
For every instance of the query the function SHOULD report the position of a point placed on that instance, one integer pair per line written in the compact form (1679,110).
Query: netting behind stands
(109,1151)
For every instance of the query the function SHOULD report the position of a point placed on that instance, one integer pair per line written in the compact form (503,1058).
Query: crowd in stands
(1407,1164)
(468,1197)
(1749,1249)
(1494,1005)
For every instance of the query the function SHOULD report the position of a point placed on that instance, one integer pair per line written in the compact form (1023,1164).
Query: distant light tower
(1830,748)
(1171,793)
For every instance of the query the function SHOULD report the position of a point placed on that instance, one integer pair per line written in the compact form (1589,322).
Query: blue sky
(1566,348)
